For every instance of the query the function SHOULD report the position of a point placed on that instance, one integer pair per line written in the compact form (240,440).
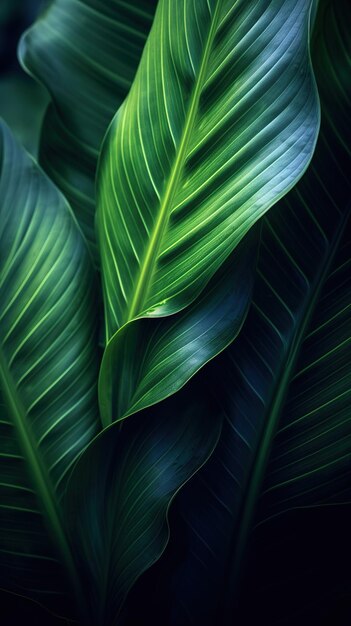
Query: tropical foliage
(173,223)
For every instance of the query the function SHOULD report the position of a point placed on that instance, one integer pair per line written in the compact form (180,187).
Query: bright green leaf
(285,385)
(150,359)
(220,122)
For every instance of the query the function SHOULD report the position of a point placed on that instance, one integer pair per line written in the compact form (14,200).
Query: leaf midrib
(147,266)
(42,483)
(274,413)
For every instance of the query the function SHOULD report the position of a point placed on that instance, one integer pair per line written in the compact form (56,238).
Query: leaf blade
(48,369)
(150,179)
(160,355)
(293,325)
(118,519)
(86,54)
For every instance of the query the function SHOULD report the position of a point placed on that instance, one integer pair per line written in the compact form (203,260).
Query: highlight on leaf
(220,122)
(154,358)
(215,116)
(284,385)
(48,375)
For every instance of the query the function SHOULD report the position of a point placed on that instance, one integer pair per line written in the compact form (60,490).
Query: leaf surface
(86,53)
(220,122)
(48,373)
(121,489)
(285,383)
(150,359)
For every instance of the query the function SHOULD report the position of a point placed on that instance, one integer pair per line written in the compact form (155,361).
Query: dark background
(298,568)
(298,574)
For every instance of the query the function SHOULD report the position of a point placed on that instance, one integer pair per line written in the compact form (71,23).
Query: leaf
(48,372)
(120,492)
(150,359)
(285,383)
(22,106)
(220,122)
(86,53)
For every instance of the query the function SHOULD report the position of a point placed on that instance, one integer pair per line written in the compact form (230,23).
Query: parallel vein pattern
(154,358)
(311,459)
(285,383)
(48,370)
(86,53)
(121,490)
(220,122)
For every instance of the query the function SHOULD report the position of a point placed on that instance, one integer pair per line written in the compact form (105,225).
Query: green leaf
(150,359)
(22,106)
(48,372)
(220,122)
(86,53)
(121,489)
(285,384)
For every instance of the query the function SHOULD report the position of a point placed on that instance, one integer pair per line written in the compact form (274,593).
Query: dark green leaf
(22,106)
(121,489)
(150,359)
(48,372)
(86,53)
(285,384)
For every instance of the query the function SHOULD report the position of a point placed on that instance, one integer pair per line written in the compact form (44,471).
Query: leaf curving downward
(220,122)
(86,53)
(48,370)
(150,359)
(121,489)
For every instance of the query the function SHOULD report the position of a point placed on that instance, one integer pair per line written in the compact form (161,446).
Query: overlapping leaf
(48,372)
(115,523)
(210,167)
(86,53)
(121,490)
(285,383)
(153,358)
(220,122)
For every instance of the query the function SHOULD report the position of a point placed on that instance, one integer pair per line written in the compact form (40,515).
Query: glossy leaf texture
(150,359)
(220,122)
(86,53)
(121,489)
(48,373)
(285,383)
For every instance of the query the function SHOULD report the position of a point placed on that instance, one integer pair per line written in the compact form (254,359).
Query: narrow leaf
(48,371)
